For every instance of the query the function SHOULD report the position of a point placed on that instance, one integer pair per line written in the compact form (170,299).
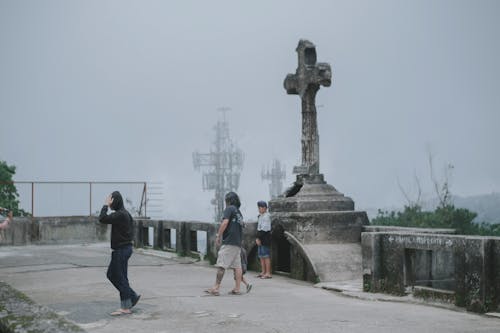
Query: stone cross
(306,82)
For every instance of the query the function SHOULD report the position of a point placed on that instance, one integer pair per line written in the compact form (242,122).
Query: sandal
(259,275)
(266,277)
(249,287)
(120,312)
(234,292)
(212,292)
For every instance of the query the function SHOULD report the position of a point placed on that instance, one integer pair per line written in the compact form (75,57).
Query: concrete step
(336,262)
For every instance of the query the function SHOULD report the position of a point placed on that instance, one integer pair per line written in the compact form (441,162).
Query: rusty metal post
(90,198)
(145,200)
(32,199)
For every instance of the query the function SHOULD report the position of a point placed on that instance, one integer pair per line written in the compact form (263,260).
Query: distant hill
(486,206)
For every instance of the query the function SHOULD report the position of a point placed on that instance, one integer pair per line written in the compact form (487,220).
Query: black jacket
(121,222)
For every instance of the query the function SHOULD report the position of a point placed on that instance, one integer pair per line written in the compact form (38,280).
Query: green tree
(9,198)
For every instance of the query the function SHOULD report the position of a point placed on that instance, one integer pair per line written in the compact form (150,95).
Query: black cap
(261,203)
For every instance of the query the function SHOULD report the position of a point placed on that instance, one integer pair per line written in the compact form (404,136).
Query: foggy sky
(127,90)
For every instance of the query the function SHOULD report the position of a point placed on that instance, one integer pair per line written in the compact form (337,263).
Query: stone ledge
(493,314)
(433,294)
(353,289)
(386,228)
(19,314)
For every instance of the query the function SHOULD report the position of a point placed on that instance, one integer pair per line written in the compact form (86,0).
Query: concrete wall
(393,261)
(18,233)
(54,230)
(186,240)
(87,229)
(68,230)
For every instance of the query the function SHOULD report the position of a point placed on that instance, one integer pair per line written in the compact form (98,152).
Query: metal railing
(142,210)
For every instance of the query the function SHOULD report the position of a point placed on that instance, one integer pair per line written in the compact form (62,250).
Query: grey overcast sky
(127,90)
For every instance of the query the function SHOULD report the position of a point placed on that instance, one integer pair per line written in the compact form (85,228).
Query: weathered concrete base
(318,246)
(310,194)
(469,266)
(18,313)
(316,232)
(324,262)
(322,226)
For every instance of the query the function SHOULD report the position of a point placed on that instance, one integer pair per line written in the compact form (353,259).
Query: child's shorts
(263,251)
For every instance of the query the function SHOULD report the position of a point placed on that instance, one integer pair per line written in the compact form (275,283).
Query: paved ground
(71,280)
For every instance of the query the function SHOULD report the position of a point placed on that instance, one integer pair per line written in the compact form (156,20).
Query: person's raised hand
(109,200)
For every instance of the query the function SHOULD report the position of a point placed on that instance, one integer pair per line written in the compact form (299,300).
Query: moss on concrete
(18,313)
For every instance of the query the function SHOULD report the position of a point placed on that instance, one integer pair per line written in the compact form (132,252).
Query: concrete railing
(186,236)
(87,229)
(388,228)
(466,266)
(54,230)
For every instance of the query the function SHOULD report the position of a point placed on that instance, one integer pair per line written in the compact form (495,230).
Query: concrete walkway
(71,280)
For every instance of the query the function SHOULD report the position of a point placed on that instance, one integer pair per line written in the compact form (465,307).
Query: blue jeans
(117,274)
(263,251)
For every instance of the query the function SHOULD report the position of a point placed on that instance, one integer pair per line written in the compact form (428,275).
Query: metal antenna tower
(276,175)
(224,164)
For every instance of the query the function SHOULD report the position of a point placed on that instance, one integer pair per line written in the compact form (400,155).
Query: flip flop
(266,277)
(259,275)
(118,313)
(249,287)
(212,292)
(234,292)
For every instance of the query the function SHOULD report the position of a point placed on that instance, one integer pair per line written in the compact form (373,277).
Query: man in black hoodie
(121,243)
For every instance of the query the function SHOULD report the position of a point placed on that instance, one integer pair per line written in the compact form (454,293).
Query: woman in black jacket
(121,243)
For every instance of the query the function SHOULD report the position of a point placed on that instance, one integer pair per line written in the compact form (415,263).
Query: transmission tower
(276,175)
(223,165)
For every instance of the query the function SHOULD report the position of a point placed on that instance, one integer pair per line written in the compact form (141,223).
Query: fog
(127,90)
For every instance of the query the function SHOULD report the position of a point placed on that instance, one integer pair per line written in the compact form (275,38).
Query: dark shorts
(263,251)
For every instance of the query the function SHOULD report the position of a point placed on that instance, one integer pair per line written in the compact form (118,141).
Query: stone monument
(316,233)
(310,191)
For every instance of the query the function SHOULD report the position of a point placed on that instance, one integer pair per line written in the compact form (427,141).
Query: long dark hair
(233,199)
(117,201)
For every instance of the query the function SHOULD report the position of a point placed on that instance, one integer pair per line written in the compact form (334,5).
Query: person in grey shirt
(229,255)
